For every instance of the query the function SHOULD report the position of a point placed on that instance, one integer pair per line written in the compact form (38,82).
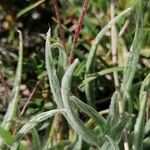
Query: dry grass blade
(114,44)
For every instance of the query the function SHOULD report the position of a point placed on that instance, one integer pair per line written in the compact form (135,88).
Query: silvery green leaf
(147,127)
(62,59)
(100,120)
(113,108)
(51,71)
(90,60)
(76,144)
(138,135)
(11,111)
(73,119)
(37,119)
(113,144)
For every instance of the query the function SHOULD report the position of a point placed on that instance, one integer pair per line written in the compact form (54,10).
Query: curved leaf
(28,8)
(51,70)
(100,120)
(139,126)
(35,120)
(72,118)
(89,86)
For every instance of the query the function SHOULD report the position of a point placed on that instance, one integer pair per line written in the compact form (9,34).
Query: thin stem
(115,63)
(58,16)
(54,129)
(124,28)
(77,31)
(114,44)
(30,97)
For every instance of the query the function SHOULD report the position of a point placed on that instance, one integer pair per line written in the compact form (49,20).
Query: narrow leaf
(12,108)
(28,8)
(139,126)
(113,108)
(62,60)
(36,139)
(51,70)
(90,112)
(113,145)
(133,58)
(35,120)
(94,76)
(72,118)
(90,60)
(6,136)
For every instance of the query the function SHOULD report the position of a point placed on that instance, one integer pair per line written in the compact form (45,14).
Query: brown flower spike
(77,32)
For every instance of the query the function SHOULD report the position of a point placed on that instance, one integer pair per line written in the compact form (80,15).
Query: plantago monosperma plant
(119,129)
